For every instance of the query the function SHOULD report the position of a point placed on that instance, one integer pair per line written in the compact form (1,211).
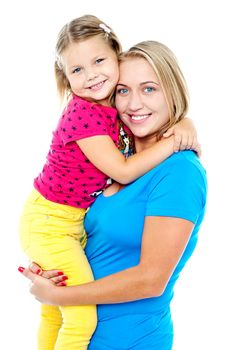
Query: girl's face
(139,98)
(91,67)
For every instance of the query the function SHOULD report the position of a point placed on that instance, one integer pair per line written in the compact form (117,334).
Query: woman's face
(139,98)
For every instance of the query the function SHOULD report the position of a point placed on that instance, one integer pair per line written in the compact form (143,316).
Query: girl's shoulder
(91,108)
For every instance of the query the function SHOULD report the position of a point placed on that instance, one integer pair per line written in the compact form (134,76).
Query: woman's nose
(135,101)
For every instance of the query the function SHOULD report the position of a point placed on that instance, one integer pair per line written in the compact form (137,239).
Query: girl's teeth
(139,117)
(96,86)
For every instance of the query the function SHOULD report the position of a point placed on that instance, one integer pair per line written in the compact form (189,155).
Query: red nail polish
(64,278)
(62,284)
(21,269)
(38,271)
(60,273)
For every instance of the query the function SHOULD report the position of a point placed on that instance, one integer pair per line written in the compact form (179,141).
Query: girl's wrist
(169,143)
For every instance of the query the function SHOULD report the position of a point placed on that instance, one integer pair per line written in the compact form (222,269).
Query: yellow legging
(52,235)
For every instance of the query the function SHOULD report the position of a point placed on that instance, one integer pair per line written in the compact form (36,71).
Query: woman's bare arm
(164,240)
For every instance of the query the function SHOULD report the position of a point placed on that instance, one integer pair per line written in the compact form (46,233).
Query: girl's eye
(122,91)
(99,60)
(77,70)
(149,89)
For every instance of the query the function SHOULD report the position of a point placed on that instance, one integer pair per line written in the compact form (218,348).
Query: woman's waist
(154,306)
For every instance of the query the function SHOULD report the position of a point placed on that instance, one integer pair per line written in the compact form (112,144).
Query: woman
(140,236)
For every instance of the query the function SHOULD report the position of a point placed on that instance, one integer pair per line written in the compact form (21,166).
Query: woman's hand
(185,136)
(56,276)
(44,289)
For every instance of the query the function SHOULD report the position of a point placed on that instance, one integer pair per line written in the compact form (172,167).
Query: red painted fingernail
(21,269)
(62,284)
(64,278)
(60,273)
(38,271)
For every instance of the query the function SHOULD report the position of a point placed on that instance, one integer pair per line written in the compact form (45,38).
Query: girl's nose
(91,74)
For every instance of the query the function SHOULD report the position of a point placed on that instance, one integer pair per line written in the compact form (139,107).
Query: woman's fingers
(50,274)
(27,273)
(60,280)
(35,268)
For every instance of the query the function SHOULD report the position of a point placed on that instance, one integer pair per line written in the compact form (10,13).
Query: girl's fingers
(177,141)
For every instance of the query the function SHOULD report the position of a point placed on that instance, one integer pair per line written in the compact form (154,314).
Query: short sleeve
(83,119)
(181,192)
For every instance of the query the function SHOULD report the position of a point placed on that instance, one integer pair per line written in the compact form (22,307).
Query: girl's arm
(185,136)
(164,240)
(103,153)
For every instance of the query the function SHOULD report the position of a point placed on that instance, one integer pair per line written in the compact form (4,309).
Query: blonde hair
(76,31)
(170,77)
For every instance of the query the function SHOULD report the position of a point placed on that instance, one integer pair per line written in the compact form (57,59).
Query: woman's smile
(140,99)
(140,118)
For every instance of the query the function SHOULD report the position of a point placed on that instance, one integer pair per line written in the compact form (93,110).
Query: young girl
(83,156)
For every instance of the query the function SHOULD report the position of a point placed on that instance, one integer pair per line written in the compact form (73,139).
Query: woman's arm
(103,153)
(164,240)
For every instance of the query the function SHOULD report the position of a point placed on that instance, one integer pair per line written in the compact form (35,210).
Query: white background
(200,34)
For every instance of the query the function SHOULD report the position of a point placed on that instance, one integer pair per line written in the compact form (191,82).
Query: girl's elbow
(124,178)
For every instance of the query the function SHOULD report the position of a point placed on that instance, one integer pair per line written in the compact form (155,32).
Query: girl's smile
(91,67)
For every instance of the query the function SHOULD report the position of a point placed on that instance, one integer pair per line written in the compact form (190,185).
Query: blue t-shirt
(175,188)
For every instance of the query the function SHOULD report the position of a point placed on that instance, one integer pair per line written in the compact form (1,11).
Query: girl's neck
(105,103)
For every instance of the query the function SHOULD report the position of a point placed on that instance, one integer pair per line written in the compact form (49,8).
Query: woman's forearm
(128,285)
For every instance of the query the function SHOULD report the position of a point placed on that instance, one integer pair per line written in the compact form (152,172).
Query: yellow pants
(53,236)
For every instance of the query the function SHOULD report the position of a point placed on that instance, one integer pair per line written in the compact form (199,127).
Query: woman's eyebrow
(143,83)
(149,82)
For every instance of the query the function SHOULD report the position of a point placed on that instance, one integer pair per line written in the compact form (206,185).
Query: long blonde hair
(171,79)
(76,31)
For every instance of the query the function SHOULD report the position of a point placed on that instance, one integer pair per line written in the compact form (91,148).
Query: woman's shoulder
(187,160)
(182,165)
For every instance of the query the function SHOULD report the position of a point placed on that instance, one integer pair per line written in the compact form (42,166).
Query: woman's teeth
(139,117)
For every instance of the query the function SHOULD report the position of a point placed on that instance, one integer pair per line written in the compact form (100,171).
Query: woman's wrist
(56,295)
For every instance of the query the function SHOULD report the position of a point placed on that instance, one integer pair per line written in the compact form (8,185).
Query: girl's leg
(78,322)
(51,321)
(51,234)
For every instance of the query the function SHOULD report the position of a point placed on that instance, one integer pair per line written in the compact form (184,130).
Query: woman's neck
(143,143)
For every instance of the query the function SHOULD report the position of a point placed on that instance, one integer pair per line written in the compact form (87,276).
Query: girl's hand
(56,276)
(185,136)
(42,288)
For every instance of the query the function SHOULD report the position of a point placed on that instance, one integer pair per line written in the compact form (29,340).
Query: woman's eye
(99,60)
(149,89)
(77,70)
(122,91)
